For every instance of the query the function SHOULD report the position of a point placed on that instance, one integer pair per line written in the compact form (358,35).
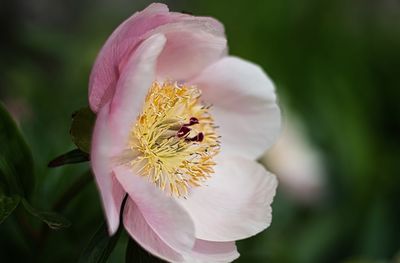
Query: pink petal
(165,216)
(125,39)
(203,251)
(192,45)
(105,72)
(140,230)
(114,123)
(132,88)
(209,251)
(244,106)
(110,190)
(235,203)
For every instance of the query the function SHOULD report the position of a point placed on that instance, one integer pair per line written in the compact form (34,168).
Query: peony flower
(179,127)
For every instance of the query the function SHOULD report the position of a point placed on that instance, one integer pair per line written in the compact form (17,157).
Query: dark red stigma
(192,121)
(198,138)
(183,131)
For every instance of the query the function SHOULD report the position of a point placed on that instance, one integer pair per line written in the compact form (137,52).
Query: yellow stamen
(175,138)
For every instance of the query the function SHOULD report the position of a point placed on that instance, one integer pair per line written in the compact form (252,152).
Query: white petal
(244,106)
(235,203)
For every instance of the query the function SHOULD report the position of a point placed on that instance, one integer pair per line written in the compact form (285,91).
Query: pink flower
(297,163)
(194,188)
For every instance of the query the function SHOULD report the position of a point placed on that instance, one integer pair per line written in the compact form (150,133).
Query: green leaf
(82,127)
(53,220)
(71,157)
(136,254)
(16,162)
(7,206)
(100,246)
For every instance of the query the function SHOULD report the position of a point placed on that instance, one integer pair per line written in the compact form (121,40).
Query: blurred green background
(336,65)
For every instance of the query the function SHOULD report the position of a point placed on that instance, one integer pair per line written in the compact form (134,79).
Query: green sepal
(82,127)
(71,157)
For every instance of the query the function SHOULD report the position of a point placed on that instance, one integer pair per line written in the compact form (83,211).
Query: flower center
(175,138)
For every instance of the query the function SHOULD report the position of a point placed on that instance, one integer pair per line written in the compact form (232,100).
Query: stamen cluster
(174,138)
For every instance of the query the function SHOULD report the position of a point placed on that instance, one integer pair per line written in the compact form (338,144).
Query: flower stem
(63,201)
(72,191)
